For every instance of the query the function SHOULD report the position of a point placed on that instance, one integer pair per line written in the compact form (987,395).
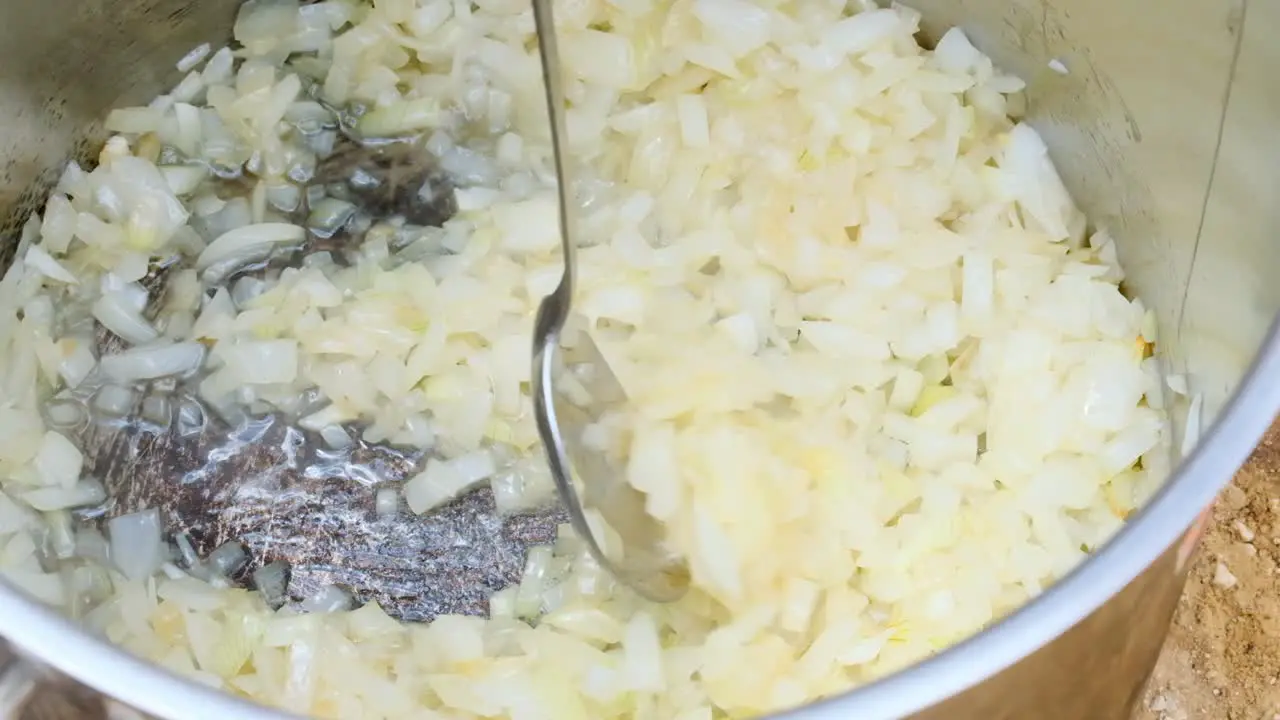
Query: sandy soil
(1222,658)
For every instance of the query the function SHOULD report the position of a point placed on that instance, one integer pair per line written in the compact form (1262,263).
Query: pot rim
(1193,484)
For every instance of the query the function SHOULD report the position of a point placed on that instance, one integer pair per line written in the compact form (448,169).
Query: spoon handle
(548,50)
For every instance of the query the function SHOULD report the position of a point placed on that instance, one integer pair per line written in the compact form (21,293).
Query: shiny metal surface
(563,417)
(1162,128)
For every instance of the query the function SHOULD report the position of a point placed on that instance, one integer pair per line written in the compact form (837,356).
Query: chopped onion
(444,480)
(91,545)
(191,418)
(136,548)
(186,550)
(149,363)
(77,360)
(272,580)
(1191,429)
(532,582)
(66,414)
(194,57)
(58,461)
(85,492)
(266,21)
(215,317)
(336,437)
(329,216)
(183,179)
(402,117)
(328,599)
(157,409)
(386,502)
(43,262)
(525,486)
(259,362)
(328,416)
(228,558)
(114,400)
(251,241)
(61,534)
(117,313)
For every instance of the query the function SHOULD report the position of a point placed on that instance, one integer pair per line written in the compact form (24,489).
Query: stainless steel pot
(1160,117)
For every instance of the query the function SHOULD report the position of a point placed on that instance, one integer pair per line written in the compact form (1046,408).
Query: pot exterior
(1097,669)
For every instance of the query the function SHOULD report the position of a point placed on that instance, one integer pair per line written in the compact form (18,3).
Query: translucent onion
(136,547)
(150,363)
(251,241)
(118,313)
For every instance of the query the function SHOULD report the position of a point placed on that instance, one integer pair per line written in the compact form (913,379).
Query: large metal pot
(1162,125)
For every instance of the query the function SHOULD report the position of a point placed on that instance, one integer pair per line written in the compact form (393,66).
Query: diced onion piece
(136,547)
(532,582)
(61,534)
(194,57)
(228,558)
(117,313)
(386,502)
(401,117)
(183,179)
(329,215)
(186,550)
(336,437)
(1191,429)
(328,599)
(249,241)
(272,580)
(150,363)
(114,400)
(58,461)
(325,417)
(66,414)
(1036,184)
(692,112)
(83,493)
(91,545)
(77,361)
(444,480)
(642,654)
(42,261)
(955,53)
(259,362)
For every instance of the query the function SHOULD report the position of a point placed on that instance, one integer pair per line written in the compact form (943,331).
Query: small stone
(1223,578)
(1217,692)
(1243,530)
(1234,498)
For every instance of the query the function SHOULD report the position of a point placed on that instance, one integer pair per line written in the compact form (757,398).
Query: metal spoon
(563,416)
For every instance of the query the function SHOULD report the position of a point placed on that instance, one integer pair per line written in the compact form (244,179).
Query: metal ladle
(563,415)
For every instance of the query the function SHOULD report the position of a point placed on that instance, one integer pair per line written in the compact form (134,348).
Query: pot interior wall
(69,62)
(1159,126)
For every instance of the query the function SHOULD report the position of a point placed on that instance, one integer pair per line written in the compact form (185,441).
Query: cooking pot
(1161,120)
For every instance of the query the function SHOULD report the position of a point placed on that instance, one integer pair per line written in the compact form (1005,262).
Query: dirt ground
(1222,658)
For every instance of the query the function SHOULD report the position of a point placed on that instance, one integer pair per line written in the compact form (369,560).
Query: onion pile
(885,385)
